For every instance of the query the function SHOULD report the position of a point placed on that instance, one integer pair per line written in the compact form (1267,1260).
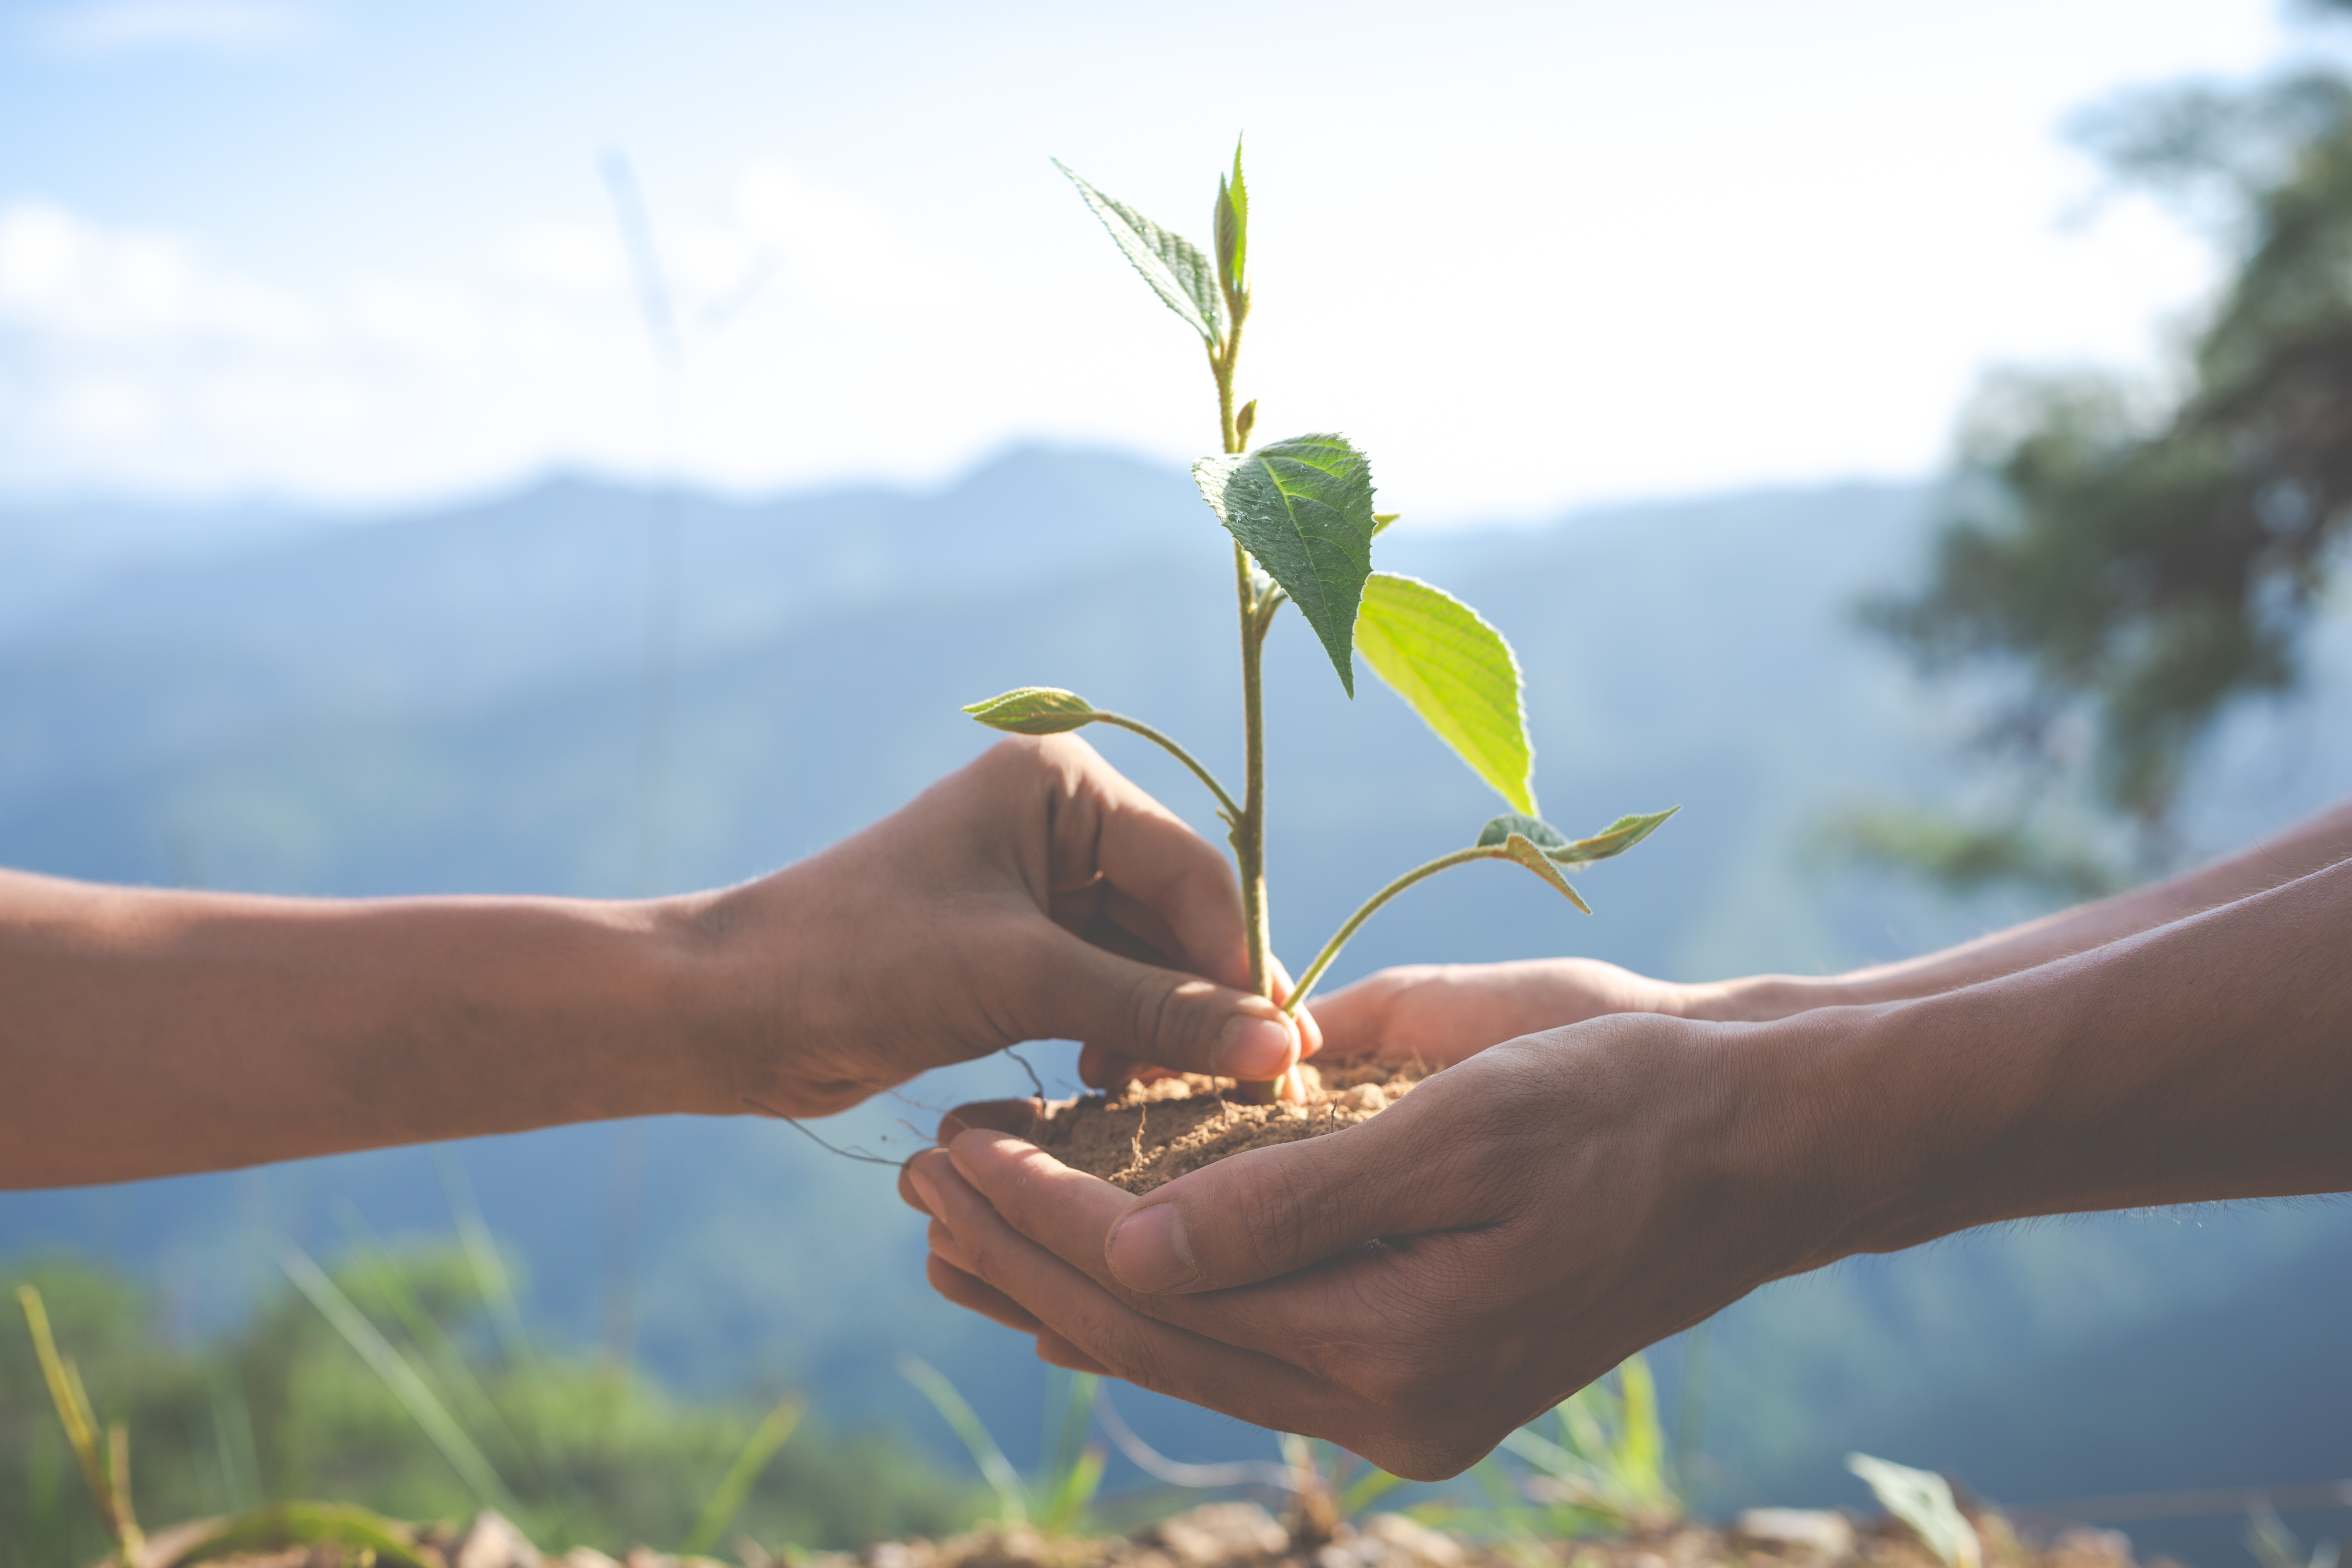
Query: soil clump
(1152,1133)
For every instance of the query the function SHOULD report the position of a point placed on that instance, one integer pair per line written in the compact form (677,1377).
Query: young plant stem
(1256,614)
(1231,812)
(1339,938)
(1249,831)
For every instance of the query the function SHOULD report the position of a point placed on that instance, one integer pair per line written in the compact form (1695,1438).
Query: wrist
(1755,999)
(1909,1120)
(751,989)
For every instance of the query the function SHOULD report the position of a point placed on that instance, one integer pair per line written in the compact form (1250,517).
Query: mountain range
(593,689)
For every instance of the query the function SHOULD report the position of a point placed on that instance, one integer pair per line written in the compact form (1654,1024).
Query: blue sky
(1527,255)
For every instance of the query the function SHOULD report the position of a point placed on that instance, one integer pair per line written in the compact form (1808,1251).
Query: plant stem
(1249,825)
(1224,801)
(1249,829)
(1355,921)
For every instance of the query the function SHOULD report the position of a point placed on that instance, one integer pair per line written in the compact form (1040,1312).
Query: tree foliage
(2135,563)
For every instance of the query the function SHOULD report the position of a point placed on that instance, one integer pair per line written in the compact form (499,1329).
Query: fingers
(1018,1117)
(1119,1342)
(1055,1350)
(979,1296)
(1146,854)
(1079,991)
(1355,1018)
(1275,1211)
(1073,1216)
(1311,1028)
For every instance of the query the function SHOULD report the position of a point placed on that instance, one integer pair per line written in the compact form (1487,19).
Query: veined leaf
(1172,265)
(1612,840)
(1518,847)
(1457,672)
(1034,710)
(1303,509)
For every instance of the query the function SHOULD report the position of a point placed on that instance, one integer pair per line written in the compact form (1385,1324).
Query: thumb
(1163,1017)
(1272,1211)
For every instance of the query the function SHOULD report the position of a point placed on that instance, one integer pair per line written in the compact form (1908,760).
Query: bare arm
(1416,1286)
(144,1033)
(2311,844)
(1445,1012)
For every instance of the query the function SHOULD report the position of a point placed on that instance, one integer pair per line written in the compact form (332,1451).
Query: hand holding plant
(1418,1285)
(1300,514)
(1036,894)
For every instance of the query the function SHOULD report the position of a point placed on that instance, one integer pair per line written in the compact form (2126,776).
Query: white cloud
(105,29)
(136,359)
(72,281)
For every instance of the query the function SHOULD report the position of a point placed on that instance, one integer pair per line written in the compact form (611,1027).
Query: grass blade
(430,1414)
(727,1499)
(109,1490)
(240,1460)
(995,1467)
(444,1367)
(491,1275)
(282,1525)
(1074,1491)
(1364,1490)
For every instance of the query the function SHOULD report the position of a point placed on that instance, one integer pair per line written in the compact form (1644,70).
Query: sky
(1528,256)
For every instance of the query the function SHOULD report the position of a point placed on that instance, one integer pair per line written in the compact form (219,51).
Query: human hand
(1417,1285)
(1441,1013)
(1036,894)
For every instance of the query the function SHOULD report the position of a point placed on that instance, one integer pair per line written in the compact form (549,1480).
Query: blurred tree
(2121,563)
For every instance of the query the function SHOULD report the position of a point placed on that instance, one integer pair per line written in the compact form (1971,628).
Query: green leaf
(1034,710)
(1303,509)
(1383,521)
(1922,1500)
(1233,226)
(1457,672)
(1517,846)
(1171,264)
(1612,840)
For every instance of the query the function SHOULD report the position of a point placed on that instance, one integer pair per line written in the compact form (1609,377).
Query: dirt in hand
(1150,1133)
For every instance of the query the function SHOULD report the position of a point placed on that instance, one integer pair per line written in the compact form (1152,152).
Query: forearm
(149,1032)
(2310,846)
(2210,1058)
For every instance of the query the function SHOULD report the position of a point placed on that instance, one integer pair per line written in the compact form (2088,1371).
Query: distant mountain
(458,702)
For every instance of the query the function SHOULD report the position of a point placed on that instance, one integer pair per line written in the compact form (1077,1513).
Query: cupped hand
(1441,1013)
(1417,1285)
(1036,894)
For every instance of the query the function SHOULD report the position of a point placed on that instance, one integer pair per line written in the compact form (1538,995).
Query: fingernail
(923,1188)
(1251,1048)
(1149,1251)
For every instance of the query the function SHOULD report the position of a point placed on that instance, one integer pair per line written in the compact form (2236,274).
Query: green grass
(286,1409)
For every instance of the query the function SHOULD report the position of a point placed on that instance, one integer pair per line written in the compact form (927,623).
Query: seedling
(1300,514)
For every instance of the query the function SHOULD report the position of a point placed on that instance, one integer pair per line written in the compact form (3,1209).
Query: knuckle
(1168,1015)
(1122,1344)
(1409,1385)
(1275,1214)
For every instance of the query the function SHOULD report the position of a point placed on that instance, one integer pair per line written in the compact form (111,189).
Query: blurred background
(595,448)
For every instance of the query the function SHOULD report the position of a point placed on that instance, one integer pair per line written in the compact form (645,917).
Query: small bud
(1245,421)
